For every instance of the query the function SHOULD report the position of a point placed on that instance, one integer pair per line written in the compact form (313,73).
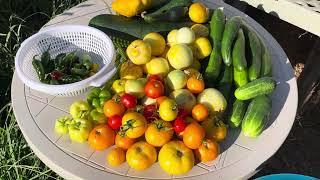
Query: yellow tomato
(159,132)
(198,13)
(168,110)
(116,157)
(141,155)
(215,129)
(176,158)
(133,124)
(118,85)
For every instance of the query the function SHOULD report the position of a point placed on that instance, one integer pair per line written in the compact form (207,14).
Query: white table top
(240,156)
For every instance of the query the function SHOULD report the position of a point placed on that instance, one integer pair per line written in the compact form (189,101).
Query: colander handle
(99,82)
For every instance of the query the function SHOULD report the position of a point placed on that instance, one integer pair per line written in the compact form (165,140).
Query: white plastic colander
(64,39)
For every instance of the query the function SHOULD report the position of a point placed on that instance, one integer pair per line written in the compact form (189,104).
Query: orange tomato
(208,150)
(124,142)
(193,135)
(101,137)
(195,84)
(159,132)
(161,99)
(200,112)
(188,120)
(113,107)
(116,156)
(215,128)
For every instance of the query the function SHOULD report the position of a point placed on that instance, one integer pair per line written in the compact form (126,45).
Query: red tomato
(115,122)
(155,77)
(182,113)
(179,125)
(128,100)
(150,112)
(154,89)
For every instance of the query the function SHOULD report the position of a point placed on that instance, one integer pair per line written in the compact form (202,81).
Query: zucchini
(214,65)
(266,66)
(255,118)
(229,34)
(240,77)
(134,27)
(255,55)
(239,52)
(225,83)
(238,111)
(255,88)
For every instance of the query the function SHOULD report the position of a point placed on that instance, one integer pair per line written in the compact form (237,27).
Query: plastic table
(240,157)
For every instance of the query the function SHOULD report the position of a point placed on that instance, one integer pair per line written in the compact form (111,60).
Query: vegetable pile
(180,93)
(65,68)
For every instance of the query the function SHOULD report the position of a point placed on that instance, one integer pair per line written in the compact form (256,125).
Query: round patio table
(240,157)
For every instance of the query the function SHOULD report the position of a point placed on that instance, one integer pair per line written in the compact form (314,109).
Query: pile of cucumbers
(240,67)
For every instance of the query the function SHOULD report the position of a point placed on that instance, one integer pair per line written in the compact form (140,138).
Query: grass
(19,19)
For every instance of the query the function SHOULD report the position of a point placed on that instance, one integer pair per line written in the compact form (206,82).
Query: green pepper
(67,79)
(97,117)
(79,129)
(80,109)
(61,124)
(37,65)
(97,97)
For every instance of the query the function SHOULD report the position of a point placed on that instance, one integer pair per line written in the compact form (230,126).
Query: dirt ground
(300,152)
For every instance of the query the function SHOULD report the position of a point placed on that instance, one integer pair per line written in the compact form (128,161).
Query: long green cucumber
(225,83)
(240,77)
(238,111)
(261,86)
(266,66)
(256,115)
(213,68)
(239,52)
(229,34)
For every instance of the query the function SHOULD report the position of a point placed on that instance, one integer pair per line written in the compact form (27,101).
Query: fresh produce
(135,87)
(61,125)
(118,86)
(195,84)
(176,79)
(174,10)
(158,133)
(239,52)
(139,52)
(266,66)
(150,112)
(179,125)
(157,43)
(80,109)
(113,107)
(133,124)
(101,137)
(200,30)
(176,158)
(97,97)
(184,99)
(255,117)
(193,135)
(129,70)
(238,111)
(208,150)
(128,100)
(215,128)
(116,156)
(97,117)
(255,88)
(203,47)
(198,13)
(141,155)
(196,64)
(158,66)
(180,56)
(79,129)
(172,37)
(240,77)
(115,122)
(124,142)
(185,35)
(154,89)
(225,83)
(168,110)
(229,34)
(213,100)
(200,112)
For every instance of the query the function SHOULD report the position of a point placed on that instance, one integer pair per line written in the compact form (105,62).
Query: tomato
(182,112)
(115,122)
(101,137)
(141,155)
(150,112)
(116,156)
(176,158)
(158,133)
(195,84)
(124,142)
(215,129)
(113,107)
(133,124)
(179,125)
(160,99)
(193,135)
(128,100)
(188,120)
(155,77)
(208,150)
(168,110)
(154,89)
(200,112)
(118,85)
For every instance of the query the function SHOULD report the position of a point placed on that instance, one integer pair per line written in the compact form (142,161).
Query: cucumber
(135,27)
(229,34)
(255,118)
(255,54)
(174,10)
(238,111)
(239,52)
(240,77)
(266,66)
(214,65)
(261,86)
(225,83)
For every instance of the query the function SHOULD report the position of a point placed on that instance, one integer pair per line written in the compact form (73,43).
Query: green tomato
(176,79)
(80,109)
(61,125)
(184,99)
(97,117)
(79,130)
(135,87)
